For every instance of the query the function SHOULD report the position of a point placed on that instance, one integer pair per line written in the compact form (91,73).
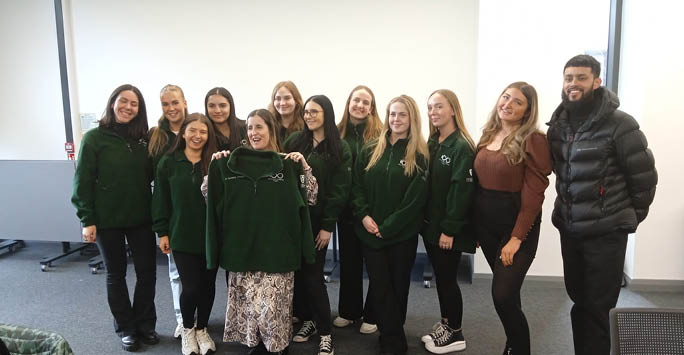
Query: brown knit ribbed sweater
(529,177)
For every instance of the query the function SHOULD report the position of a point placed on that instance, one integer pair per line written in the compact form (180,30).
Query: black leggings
(445,266)
(495,215)
(313,293)
(199,288)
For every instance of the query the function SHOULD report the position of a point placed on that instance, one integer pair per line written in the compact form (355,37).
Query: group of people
(262,197)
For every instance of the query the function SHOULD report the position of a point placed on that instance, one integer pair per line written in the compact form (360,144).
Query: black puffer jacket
(605,173)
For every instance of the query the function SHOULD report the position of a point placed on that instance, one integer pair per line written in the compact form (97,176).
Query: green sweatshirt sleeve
(411,205)
(338,193)
(83,197)
(460,194)
(161,200)
(358,201)
(214,213)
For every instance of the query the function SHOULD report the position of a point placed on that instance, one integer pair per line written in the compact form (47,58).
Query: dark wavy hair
(236,125)
(209,147)
(331,145)
(137,128)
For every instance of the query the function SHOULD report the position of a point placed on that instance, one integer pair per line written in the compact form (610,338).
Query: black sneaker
(305,332)
(325,346)
(450,341)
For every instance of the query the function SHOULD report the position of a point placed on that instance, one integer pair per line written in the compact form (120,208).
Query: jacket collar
(234,165)
(448,142)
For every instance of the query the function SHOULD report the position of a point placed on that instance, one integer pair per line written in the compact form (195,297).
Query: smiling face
(195,135)
(314,116)
(218,109)
(258,133)
(579,83)
(512,106)
(173,106)
(440,112)
(399,120)
(125,107)
(284,102)
(360,104)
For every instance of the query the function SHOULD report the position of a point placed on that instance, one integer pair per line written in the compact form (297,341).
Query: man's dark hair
(584,60)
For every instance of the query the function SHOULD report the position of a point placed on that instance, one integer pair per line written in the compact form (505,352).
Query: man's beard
(582,104)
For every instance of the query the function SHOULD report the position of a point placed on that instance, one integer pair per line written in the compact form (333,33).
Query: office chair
(647,331)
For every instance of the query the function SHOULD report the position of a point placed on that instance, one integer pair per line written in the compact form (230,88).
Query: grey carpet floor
(69,300)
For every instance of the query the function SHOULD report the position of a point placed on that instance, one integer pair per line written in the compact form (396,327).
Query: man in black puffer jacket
(605,180)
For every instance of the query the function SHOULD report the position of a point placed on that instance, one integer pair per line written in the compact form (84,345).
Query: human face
(440,111)
(195,135)
(399,120)
(258,133)
(125,107)
(284,102)
(173,106)
(218,108)
(360,104)
(314,116)
(512,106)
(579,83)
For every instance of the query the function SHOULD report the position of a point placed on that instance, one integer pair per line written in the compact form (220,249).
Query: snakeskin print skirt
(260,309)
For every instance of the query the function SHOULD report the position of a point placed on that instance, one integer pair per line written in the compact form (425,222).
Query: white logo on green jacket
(445,160)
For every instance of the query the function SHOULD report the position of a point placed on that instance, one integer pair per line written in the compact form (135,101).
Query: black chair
(647,331)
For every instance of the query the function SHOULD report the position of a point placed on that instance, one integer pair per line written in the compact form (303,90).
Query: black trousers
(445,267)
(312,293)
(141,315)
(351,305)
(494,219)
(593,269)
(389,270)
(199,288)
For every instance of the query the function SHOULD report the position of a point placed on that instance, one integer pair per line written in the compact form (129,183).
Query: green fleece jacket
(178,207)
(166,128)
(334,183)
(394,201)
(451,190)
(112,181)
(257,217)
(354,138)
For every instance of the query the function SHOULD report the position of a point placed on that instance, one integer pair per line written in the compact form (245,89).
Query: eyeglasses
(312,113)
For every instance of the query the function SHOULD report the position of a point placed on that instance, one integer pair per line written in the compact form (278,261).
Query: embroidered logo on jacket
(402,163)
(277,177)
(445,160)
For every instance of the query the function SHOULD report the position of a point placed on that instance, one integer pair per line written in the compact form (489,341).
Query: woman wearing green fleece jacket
(258,229)
(389,192)
(112,197)
(330,160)
(447,214)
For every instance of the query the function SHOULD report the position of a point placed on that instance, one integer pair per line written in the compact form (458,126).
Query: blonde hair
(298,118)
(416,142)
(513,146)
(452,99)
(373,125)
(159,138)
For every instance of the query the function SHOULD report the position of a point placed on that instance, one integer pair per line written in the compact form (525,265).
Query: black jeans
(199,288)
(593,269)
(495,215)
(389,270)
(445,267)
(141,315)
(312,293)
(351,305)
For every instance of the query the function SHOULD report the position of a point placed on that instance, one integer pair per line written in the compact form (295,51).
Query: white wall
(409,47)
(651,77)
(32,123)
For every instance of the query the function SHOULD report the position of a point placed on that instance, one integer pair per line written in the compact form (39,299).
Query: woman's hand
(90,234)
(164,244)
(322,239)
(371,226)
(298,158)
(446,242)
(509,250)
(220,154)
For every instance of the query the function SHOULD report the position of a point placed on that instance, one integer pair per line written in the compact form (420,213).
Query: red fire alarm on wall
(69,148)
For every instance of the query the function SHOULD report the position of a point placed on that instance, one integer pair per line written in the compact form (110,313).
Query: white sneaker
(325,346)
(342,322)
(206,344)
(367,328)
(437,331)
(305,332)
(179,331)
(189,342)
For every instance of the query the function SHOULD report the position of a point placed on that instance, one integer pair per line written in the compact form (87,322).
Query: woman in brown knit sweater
(512,166)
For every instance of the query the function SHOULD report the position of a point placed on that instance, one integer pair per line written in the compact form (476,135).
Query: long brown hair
(298,118)
(452,99)
(513,146)
(271,123)
(137,127)
(373,125)
(209,147)
(159,138)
